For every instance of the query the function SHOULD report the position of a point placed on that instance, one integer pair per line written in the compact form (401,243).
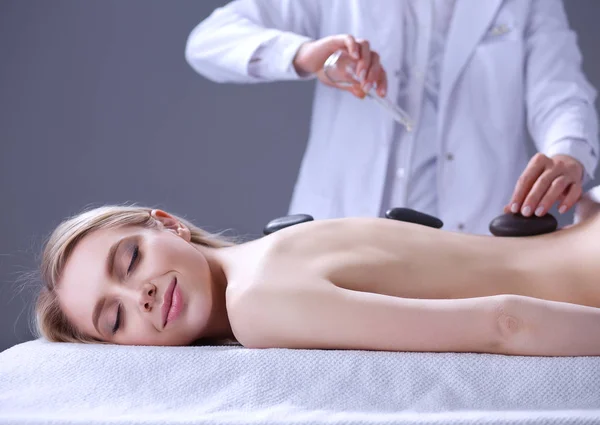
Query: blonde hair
(51,322)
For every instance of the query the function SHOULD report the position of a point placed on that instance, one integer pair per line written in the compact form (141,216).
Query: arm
(330,317)
(250,41)
(548,328)
(560,101)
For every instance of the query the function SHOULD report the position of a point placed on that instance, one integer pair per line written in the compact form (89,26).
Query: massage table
(63,383)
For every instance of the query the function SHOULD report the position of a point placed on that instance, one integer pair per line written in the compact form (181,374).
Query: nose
(147,297)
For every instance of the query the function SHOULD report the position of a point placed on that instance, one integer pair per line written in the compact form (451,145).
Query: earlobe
(184,232)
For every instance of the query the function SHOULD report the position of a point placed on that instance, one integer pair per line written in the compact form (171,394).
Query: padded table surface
(44,383)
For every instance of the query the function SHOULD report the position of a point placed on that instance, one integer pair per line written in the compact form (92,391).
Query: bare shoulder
(279,277)
(264,309)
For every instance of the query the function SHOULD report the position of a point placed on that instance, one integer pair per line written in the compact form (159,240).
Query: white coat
(510,66)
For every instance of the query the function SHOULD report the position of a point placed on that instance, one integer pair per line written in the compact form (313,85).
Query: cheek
(172,252)
(138,333)
(185,259)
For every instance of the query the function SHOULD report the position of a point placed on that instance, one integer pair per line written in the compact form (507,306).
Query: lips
(168,301)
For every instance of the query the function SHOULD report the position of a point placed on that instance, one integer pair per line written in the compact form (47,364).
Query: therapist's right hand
(311,57)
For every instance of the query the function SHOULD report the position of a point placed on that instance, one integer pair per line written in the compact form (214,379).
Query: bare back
(380,284)
(411,261)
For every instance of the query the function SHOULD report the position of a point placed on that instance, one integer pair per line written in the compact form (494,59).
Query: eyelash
(117,321)
(134,258)
(135,255)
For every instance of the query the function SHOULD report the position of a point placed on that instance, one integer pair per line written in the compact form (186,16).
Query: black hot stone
(519,225)
(287,221)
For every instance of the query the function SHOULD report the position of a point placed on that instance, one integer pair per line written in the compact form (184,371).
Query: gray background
(97,105)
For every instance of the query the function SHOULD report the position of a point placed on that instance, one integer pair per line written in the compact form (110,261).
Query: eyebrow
(96,315)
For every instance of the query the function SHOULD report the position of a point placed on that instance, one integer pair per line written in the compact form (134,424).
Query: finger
(381,83)
(575,175)
(557,189)
(532,172)
(357,91)
(352,46)
(354,89)
(562,196)
(365,60)
(372,75)
(376,76)
(538,190)
(573,195)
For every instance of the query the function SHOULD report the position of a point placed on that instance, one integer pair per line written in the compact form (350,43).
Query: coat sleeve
(560,101)
(250,41)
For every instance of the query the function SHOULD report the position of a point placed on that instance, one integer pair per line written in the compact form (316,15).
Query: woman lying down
(131,275)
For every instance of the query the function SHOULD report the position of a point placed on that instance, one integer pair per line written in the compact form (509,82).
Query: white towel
(44,383)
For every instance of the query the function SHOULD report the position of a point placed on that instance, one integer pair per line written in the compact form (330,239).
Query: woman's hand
(311,57)
(544,182)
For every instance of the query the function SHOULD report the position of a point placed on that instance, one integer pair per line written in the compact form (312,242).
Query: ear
(172,224)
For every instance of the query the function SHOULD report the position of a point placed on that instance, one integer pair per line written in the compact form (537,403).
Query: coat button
(449,156)
(500,29)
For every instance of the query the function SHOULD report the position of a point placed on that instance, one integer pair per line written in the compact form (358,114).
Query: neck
(217,326)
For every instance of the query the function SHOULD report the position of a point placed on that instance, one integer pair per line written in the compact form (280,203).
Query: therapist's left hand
(544,182)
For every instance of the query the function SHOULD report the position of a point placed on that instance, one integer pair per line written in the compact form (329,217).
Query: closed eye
(117,320)
(134,258)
